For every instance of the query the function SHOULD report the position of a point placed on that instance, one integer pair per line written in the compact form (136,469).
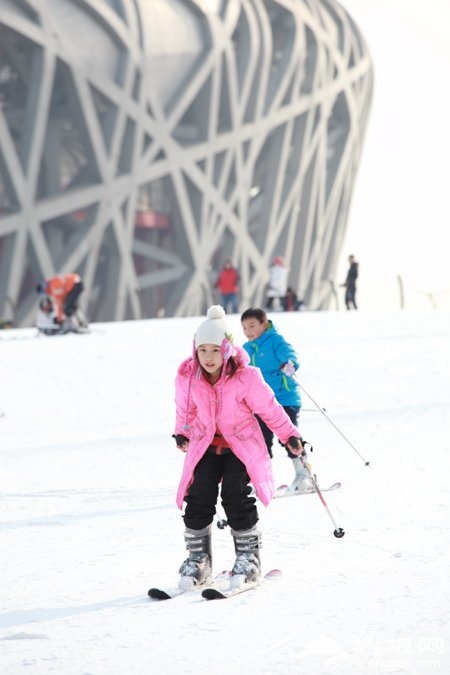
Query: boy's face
(253,328)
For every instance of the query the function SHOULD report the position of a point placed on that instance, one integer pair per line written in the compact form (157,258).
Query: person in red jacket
(64,291)
(228,285)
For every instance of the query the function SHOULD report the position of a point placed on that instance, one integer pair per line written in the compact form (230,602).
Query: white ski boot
(301,482)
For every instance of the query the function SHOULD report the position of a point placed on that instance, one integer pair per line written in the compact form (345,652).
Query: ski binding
(161,594)
(216,594)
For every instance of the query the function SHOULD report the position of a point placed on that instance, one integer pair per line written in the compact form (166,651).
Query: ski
(216,594)
(282,490)
(161,594)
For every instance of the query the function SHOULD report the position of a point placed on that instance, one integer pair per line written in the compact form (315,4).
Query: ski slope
(88,474)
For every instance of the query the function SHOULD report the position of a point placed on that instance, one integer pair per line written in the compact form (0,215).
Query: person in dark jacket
(350,283)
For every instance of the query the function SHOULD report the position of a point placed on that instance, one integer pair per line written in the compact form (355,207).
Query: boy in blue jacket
(278,362)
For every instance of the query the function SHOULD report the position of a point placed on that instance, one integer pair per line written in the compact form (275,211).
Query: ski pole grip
(304,443)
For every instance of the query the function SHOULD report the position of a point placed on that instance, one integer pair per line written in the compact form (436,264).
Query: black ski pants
(201,499)
(71,301)
(293,412)
(350,295)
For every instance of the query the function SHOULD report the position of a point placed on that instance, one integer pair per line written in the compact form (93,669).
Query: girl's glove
(295,446)
(181,441)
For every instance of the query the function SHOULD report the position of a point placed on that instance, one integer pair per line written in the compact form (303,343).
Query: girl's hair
(254,313)
(232,366)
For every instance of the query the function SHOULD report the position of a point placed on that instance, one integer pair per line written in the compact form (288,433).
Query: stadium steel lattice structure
(144,141)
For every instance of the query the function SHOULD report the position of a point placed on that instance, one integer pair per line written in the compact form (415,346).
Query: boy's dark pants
(293,412)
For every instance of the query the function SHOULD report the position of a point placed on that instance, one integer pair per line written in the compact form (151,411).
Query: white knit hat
(214,330)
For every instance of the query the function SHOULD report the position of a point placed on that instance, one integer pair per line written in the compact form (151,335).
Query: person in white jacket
(278,279)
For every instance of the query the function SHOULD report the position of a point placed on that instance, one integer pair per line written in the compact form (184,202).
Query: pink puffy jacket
(229,406)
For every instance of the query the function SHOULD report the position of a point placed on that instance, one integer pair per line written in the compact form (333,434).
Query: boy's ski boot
(301,482)
(196,569)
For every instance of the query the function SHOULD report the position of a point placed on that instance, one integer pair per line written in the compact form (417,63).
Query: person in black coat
(350,283)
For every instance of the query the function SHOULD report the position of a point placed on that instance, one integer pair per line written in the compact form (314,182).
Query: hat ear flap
(226,348)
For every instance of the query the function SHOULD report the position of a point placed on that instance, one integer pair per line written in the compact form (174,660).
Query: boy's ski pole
(322,410)
(338,531)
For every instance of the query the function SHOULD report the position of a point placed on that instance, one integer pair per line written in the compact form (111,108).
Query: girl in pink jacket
(217,396)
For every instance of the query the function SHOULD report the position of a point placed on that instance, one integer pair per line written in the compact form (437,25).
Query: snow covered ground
(88,520)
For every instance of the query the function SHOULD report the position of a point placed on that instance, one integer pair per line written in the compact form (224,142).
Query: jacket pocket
(198,432)
(245,429)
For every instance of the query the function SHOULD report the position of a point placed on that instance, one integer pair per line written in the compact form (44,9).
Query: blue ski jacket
(269,353)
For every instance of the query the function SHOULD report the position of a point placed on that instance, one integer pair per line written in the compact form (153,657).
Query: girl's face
(253,328)
(211,359)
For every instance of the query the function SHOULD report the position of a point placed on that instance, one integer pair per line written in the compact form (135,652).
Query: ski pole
(322,410)
(221,519)
(338,531)
(310,410)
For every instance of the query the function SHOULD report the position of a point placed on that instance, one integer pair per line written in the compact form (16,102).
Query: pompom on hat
(215,331)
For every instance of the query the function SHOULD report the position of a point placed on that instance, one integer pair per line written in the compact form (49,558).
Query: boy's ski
(282,490)
(216,594)
(161,594)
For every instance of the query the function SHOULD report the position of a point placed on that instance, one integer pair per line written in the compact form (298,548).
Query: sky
(399,219)
(88,521)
